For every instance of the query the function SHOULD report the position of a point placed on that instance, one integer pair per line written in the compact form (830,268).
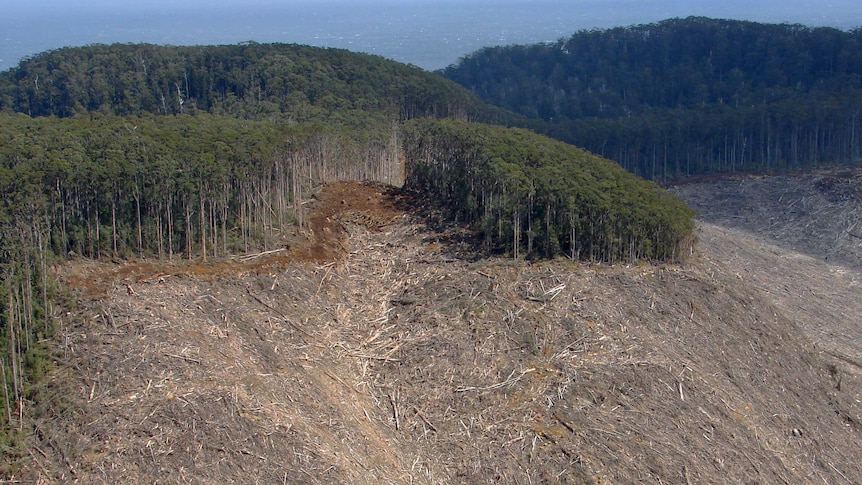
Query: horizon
(426,33)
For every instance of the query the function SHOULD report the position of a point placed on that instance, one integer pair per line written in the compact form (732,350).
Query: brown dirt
(402,362)
(334,205)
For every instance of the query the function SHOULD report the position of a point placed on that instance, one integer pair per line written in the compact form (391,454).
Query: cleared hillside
(796,238)
(403,359)
(819,213)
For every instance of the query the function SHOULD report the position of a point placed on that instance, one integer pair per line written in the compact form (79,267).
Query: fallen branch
(41,467)
(283,316)
(393,398)
(839,472)
(322,280)
(183,357)
(249,257)
(511,380)
(548,295)
(373,357)
(424,419)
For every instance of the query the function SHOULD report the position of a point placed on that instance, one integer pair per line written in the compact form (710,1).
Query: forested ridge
(279,82)
(140,151)
(687,96)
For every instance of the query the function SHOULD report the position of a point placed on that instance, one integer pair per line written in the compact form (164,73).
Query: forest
(277,82)
(527,193)
(168,153)
(686,96)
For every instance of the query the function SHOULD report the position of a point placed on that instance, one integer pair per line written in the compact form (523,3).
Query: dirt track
(403,362)
(322,241)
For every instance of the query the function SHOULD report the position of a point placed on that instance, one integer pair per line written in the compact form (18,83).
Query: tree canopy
(529,194)
(283,82)
(686,96)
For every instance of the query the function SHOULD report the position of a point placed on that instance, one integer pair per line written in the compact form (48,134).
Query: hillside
(815,213)
(229,309)
(277,82)
(686,96)
(396,356)
(806,227)
(93,170)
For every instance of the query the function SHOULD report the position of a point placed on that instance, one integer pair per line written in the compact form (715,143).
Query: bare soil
(379,350)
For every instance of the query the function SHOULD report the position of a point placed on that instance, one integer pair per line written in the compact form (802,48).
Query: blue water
(429,34)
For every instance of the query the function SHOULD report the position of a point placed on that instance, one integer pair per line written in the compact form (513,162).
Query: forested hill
(251,80)
(688,95)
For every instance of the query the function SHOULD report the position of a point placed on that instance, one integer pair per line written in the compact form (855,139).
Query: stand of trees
(687,96)
(535,196)
(177,186)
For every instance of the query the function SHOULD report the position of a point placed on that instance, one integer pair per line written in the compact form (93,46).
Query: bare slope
(401,361)
(819,214)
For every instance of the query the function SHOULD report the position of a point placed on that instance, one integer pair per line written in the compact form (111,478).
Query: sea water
(427,33)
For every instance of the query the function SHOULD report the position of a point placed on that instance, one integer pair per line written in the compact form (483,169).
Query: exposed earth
(377,347)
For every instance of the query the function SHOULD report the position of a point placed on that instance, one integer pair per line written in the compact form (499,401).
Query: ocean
(426,33)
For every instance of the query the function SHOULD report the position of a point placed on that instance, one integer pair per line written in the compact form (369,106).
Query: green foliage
(526,192)
(100,183)
(686,96)
(252,81)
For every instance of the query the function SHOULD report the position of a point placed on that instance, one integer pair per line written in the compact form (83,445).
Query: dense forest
(687,96)
(141,151)
(529,194)
(277,82)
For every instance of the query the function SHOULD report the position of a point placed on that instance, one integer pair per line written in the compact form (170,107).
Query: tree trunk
(6,391)
(188,213)
(44,266)
(168,212)
(516,232)
(140,230)
(159,231)
(114,225)
(203,222)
